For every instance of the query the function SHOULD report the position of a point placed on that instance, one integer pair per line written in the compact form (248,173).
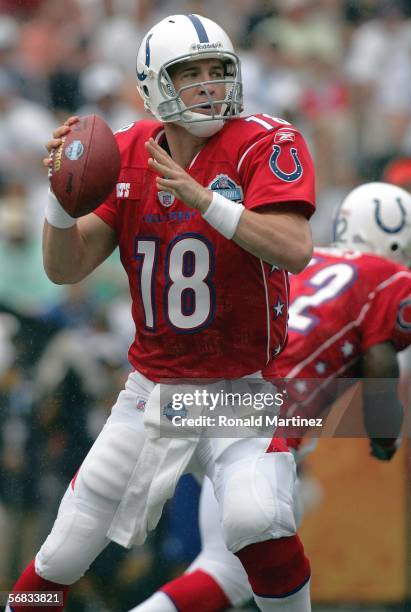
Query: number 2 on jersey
(330,282)
(189,294)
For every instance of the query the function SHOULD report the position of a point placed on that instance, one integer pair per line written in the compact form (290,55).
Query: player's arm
(70,254)
(278,235)
(382,409)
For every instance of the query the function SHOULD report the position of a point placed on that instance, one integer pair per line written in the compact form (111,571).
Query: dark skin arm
(382,409)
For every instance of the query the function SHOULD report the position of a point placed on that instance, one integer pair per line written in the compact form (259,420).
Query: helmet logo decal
(200,29)
(404,315)
(382,225)
(289,177)
(205,46)
(142,75)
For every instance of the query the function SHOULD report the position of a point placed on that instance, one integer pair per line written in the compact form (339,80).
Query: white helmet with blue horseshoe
(376,218)
(181,38)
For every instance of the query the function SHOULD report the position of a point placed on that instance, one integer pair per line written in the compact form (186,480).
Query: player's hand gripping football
(176,180)
(56,141)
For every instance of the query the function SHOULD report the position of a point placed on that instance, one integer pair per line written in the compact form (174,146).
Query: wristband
(224,215)
(56,215)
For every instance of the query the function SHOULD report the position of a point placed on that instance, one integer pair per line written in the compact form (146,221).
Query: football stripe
(200,29)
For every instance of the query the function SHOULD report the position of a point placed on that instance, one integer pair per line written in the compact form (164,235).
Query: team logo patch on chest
(226,187)
(166,198)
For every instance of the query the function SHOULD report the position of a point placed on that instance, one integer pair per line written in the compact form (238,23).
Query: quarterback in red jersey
(196,315)
(350,313)
(206,203)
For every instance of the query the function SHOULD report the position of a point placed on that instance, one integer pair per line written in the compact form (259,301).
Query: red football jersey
(203,306)
(343,303)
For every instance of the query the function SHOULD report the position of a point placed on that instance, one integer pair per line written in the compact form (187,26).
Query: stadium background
(338,69)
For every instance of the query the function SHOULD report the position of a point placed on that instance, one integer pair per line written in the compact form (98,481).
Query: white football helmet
(376,218)
(181,38)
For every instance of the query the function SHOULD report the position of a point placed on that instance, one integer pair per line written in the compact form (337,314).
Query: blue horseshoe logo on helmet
(141,75)
(402,321)
(289,177)
(381,224)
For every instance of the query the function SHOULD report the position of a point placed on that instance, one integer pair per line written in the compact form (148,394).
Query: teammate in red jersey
(350,313)
(205,204)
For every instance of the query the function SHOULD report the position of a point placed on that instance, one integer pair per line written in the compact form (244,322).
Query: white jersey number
(330,282)
(265,124)
(189,297)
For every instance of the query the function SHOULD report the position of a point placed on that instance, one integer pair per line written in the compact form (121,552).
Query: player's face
(193,76)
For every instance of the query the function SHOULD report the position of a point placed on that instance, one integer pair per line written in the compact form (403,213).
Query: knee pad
(72,545)
(257,499)
(108,466)
(276,568)
(227,572)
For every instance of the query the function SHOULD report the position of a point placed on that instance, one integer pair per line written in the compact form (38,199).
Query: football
(85,167)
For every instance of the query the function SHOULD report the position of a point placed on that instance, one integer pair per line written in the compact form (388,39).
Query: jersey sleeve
(108,211)
(278,168)
(388,318)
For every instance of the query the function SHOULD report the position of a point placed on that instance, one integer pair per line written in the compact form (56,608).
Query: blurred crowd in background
(339,69)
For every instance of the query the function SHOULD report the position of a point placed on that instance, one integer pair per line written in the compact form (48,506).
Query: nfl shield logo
(166,198)
(141,404)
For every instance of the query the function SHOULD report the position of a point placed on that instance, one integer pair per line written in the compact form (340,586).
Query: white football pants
(254,490)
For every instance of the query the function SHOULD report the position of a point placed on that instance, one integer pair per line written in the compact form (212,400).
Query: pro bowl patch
(74,150)
(226,187)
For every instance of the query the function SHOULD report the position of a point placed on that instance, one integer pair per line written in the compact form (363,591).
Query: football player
(350,313)
(206,203)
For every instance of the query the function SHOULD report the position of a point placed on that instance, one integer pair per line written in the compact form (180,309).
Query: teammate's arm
(70,254)
(382,409)
(277,236)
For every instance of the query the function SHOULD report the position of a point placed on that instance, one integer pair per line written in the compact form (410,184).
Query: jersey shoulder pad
(143,128)
(246,131)
(367,263)
(131,138)
(381,267)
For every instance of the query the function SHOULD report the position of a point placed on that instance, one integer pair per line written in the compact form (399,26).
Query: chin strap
(203,129)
